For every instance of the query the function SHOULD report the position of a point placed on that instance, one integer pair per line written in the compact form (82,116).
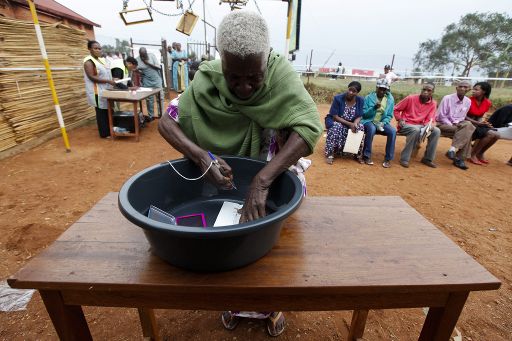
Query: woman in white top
(97,78)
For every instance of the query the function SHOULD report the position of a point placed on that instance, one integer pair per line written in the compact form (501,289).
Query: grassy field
(323,89)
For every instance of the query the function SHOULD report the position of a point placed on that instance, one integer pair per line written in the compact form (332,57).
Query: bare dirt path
(44,190)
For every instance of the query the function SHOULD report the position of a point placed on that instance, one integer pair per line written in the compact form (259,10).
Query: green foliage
(477,40)
(122,46)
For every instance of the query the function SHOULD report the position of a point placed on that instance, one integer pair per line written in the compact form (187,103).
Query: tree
(470,43)
(122,46)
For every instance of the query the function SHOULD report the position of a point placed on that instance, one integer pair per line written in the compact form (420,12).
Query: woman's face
(244,76)
(351,93)
(95,50)
(478,92)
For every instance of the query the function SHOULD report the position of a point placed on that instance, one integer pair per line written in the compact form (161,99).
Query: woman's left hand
(353,127)
(255,201)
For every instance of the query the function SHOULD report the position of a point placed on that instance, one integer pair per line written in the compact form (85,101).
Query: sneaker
(428,163)
(451,155)
(368,161)
(386,164)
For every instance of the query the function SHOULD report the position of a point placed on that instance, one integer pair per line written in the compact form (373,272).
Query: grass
(323,89)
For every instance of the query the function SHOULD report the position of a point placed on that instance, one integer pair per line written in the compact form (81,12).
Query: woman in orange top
(485,135)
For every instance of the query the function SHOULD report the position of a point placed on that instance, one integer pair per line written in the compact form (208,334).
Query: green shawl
(216,120)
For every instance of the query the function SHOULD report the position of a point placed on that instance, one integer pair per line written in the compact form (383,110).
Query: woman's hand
(353,127)
(254,205)
(111,82)
(220,174)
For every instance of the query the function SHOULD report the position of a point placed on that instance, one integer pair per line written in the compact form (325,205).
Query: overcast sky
(362,34)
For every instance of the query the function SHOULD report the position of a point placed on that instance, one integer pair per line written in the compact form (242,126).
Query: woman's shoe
(229,320)
(275,324)
(329,159)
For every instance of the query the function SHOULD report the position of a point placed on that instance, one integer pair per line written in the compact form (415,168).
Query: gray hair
(243,33)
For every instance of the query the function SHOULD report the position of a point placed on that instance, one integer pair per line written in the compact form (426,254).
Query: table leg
(159,106)
(136,121)
(148,323)
(110,118)
(68,320)
(357,324)
(440,321)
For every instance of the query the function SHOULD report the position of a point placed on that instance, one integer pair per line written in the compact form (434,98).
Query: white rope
(191,179)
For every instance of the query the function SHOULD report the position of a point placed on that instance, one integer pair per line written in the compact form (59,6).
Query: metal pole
(204,21)
(49,74)
(288,29)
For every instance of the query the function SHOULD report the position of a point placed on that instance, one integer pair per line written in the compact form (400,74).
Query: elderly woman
(97,78)
(345,113)
(484,133)
(377,113)
(228,106)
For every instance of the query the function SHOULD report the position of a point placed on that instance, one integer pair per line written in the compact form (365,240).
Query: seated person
(501,120)
(345,113)
(484,133)
(414,113)
(377,113)
(226,109)
(451,120)
(121,69)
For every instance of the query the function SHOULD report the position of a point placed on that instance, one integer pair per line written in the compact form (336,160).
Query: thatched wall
(26,106)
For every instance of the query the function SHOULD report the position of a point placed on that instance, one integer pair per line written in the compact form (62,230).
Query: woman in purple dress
(345,113)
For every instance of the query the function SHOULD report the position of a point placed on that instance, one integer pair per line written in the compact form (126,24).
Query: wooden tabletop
(338,245)
(127,95)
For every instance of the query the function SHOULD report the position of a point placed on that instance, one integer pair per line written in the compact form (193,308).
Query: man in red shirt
(414,114)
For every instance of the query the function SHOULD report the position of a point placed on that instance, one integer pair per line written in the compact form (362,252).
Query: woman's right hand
(353,127)
(111,82)
(220,174)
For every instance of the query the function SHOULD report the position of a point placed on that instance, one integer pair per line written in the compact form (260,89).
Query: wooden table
(335,253)
(136,99)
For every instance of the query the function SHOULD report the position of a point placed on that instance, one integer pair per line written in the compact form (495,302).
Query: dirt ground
(44,190)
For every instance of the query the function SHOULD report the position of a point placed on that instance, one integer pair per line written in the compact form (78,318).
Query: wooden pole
(392,61)
(288,29)
(166,66)
(46,63)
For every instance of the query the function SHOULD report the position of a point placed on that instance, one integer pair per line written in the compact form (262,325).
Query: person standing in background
(390,76)
(179,68)
(149,68)
(97,78)
(169,63)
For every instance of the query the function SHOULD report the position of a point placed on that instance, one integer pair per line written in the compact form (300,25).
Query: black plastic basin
(210,248)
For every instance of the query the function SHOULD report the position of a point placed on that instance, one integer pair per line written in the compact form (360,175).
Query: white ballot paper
(353,142)
(228,214)
(124,80)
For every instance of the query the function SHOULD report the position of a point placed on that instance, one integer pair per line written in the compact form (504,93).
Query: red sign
(360,72)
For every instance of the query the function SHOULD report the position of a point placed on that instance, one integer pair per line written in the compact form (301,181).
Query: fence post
(166,66)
